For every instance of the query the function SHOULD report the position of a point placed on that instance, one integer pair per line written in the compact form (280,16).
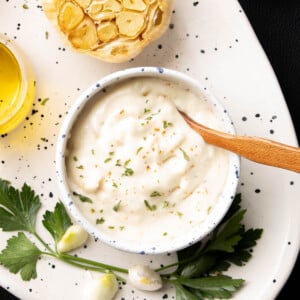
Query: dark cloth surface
(277,25)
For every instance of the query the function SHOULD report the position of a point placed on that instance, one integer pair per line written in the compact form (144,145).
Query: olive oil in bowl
(16,86)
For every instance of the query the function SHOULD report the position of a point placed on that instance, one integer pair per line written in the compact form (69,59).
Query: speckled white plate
(212,41)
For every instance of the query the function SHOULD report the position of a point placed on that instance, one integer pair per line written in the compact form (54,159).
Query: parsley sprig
(199,268)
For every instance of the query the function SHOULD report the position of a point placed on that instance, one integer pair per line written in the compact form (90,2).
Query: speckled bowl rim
(223,202)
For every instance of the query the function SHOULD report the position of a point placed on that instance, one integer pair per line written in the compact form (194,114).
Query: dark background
(277,26)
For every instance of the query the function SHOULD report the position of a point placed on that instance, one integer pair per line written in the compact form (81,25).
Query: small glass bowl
(16,86)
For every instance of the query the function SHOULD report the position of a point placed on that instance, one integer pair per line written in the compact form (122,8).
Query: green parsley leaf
(83,198)
(198,264)
(20,255)
(183,294)
(18,209)
(229,235)
(221,286)
(199,267)
(234,207)
(57,222)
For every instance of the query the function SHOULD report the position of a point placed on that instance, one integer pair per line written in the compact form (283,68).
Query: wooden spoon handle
(256,149)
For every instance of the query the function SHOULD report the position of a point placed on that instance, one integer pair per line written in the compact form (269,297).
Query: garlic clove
(144,278)
(74,237)
(104,287)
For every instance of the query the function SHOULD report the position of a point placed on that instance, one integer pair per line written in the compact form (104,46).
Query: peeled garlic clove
(70,15)
(138,5)
(84,36)
(144,278)
(103,288)
(74,237)
(130,23)
(107,31)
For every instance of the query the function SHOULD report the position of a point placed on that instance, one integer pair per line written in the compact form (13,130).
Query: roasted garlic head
(111,30)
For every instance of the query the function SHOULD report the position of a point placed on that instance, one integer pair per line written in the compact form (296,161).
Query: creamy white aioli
(149,175)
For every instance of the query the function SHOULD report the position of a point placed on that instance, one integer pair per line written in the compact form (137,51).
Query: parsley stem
(87,267)
(43,243)
(88,262)
(180,262)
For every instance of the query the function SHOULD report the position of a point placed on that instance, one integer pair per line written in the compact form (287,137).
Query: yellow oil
(16,90)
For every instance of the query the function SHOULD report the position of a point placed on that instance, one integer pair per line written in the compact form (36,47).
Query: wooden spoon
(254,148)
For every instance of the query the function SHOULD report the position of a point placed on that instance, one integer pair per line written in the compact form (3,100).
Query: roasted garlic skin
(111,30)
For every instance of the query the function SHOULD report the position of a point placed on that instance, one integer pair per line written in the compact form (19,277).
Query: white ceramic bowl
(159,246)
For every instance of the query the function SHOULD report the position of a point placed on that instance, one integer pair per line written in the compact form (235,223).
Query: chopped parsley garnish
(147,110)
(166,204)
(149,206)
(167,124)
(117,206)
(83,198)
(81,167)
(108,159)
(139,150)
(118,163)
(179,214)
(44,101)
(128,172)
(127,162)
(155,194)
(186,157)
(100,221)
(114,185)
(75,158)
